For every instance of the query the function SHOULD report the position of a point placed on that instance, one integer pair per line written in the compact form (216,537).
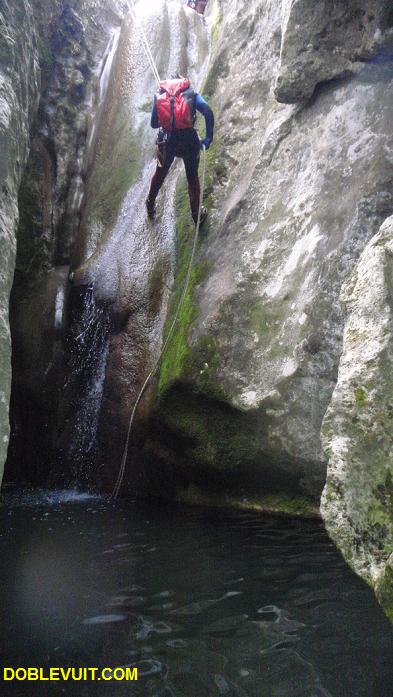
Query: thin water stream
(207,603)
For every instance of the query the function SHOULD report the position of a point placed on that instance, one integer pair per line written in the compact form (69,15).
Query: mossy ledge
(274,504)
(384,589)
(203,451)
(177,357)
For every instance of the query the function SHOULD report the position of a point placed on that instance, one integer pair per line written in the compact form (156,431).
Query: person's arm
(154,117)
(204,109)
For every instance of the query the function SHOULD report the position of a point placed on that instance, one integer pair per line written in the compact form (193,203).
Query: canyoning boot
(150,207)
(203,216)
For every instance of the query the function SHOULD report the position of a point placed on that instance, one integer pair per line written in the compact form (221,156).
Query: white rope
(145,43)
(120,477)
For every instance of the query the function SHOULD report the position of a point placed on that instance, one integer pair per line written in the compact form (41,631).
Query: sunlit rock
(358,427)
(323,40)
(295,195)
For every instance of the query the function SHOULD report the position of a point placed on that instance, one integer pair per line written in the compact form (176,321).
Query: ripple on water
(149,667)
(133,602)
(104,619)
(201,605)
(203,616)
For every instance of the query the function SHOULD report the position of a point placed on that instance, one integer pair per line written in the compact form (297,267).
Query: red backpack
(175,104)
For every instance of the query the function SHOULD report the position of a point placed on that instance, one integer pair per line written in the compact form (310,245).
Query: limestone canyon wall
(286,326)
(296,191)
(19,94)
(71,54)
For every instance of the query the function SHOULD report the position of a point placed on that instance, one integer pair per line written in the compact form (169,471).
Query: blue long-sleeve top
(200,105)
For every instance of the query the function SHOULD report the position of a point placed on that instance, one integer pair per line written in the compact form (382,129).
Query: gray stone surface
(325,39)
(358,427)
(297,192)
(127,258)
(73,46)
(82,203)
(73,42)
(19,92)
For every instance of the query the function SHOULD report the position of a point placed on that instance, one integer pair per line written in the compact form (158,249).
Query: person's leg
(158,178)
(191,154)
(194,192)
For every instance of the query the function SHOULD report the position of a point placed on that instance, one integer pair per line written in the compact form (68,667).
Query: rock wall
(19,93)
(326,40)
(126,258)
(295,192)
(82,206)
(73,44)
(358,427)
(299,183)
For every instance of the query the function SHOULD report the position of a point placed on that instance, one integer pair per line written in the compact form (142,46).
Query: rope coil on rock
(119,481)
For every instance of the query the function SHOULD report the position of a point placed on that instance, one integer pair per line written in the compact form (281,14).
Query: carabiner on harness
(162,146)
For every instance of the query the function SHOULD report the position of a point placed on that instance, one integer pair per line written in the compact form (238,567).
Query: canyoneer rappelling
(197,5)
(174,113)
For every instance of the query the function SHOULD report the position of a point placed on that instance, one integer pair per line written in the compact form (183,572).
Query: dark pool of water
(207,603)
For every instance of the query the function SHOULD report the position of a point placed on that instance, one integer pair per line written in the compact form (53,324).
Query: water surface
(207,603)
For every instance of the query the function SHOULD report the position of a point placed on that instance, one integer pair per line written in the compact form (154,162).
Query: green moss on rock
(177,350)
(360,397)
(384,589)
(202,364)
(108,185)
(198,440)
(272,505)
(215,31)
(179,356)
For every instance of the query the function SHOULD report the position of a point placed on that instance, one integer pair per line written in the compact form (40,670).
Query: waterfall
(87,348)
(126,264)
(59,309)
(103,74)
(87,340)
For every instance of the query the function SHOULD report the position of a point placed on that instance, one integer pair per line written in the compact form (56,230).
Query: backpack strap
(172,105)
(189,96)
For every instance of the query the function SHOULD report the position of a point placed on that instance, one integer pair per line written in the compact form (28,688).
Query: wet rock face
(322,40)
(19,92)
(72,39)
(128,259)
(76,35)
(358,427)
(81,202)
(296,194)
(37,360)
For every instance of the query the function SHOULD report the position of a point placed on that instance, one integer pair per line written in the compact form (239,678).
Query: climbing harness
(162,147)
(119,482)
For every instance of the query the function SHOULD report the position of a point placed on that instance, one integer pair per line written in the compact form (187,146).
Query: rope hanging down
(145,43)
(120,478)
